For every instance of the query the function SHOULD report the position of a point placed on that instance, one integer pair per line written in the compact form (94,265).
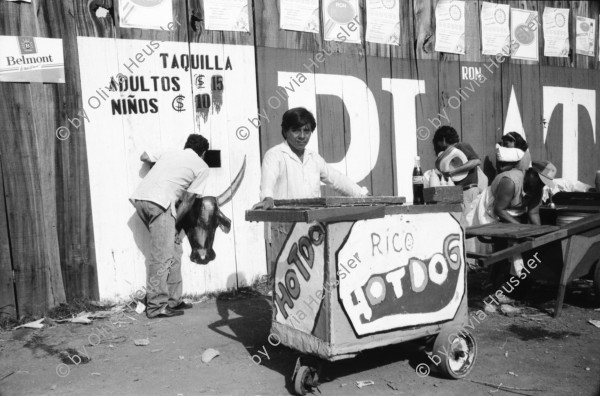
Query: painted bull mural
(201,222)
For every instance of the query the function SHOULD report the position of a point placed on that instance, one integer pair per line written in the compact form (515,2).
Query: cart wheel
(456,351)
(597,282)
(306,379)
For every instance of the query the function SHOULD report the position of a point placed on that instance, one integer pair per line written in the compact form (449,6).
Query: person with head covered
(512,152)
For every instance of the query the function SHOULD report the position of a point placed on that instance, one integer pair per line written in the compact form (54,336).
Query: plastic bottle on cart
(417,182)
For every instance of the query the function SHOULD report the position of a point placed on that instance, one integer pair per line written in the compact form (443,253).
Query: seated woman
(513,197)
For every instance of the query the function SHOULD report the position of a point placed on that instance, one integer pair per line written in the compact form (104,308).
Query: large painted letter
(570,98)
(362,110)
(513,120)
(405,129)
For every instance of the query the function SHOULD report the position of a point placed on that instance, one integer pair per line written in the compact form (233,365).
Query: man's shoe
(167,312)
(182,305)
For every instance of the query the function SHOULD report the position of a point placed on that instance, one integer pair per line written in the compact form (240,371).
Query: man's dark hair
(198,143)
(532,184)
(446,132)
(520,143)
(297,118)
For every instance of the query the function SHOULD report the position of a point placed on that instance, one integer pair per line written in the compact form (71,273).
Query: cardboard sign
(402,270)
(31,59)
(299,288)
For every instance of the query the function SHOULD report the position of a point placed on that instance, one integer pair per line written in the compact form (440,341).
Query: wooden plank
(574,208)
(424,23)
(280,50)
(577,198)
(73,201)
(201,35)
(28,120)
(329,215)
(416,209)
(513,231)
(335,111)
(576,227)
(383,170)
(8,305)
(338,201)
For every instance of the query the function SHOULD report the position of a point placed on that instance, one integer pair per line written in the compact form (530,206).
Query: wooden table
(579,243)
(509,231)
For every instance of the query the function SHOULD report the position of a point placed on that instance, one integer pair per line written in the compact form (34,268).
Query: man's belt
(469,186)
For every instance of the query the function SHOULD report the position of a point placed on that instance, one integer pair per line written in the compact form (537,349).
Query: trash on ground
(392,386)
(7,375)
(100,314)
(587,369)
(511,373)
(509,310)
(156,350)
(490,308)
(142,342)
(36,324)
(209,355)
(96,374)
(595,322)
(361,384)
(506,354)
(141,308)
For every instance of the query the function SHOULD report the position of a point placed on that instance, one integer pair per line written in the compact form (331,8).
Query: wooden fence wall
(46,225)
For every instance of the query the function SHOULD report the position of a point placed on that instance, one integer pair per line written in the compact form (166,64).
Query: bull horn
(230,192)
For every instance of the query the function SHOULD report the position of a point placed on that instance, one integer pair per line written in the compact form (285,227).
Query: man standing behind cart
(291,171)
(446,139)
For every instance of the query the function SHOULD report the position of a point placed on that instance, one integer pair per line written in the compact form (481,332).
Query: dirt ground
(532,353)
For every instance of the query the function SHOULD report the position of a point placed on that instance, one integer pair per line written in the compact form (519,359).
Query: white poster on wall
(341,21)
(450,26)
(31,59)
(383,25)
(300,15)
(556,32)
(145,14)
(229,15)
(152,95)
(524,26)
(495,29)
(586,36)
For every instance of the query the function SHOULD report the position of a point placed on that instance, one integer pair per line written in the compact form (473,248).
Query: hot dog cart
(351,274)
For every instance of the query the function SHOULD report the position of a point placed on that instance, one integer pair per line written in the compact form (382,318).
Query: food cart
(353,274)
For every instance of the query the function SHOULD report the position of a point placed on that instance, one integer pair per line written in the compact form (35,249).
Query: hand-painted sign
(149,95)
(299,277)
(31,59)
(402,270)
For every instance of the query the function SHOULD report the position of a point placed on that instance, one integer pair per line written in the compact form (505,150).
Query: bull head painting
(201,222)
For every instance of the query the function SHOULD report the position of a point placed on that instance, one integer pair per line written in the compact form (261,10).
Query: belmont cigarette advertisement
(31,59)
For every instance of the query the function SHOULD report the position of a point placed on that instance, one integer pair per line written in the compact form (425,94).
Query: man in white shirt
(290,171)
(177,175)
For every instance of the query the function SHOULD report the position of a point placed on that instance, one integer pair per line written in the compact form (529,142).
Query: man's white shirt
(174,172)
(285,176)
